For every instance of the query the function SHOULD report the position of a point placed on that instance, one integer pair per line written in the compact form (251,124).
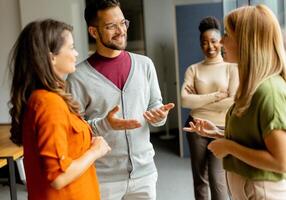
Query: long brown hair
(260,50)
(31,69)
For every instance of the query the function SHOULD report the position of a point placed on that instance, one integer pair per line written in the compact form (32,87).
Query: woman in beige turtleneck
(208,90)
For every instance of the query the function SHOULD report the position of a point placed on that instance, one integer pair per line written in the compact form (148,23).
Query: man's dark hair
(93,6)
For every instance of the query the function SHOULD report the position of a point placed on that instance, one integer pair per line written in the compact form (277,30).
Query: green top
(266,112)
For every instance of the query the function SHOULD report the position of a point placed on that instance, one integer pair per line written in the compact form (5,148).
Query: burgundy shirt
(115,69)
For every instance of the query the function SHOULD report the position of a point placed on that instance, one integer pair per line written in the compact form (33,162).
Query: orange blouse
(52,138)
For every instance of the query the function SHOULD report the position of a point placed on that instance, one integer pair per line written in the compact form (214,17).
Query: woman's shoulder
(272,84)
(230,65)
(194,66)
(45,98)
(44,94)
(272,90)
(231,68)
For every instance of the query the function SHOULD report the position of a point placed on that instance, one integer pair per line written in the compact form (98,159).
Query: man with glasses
(120,96)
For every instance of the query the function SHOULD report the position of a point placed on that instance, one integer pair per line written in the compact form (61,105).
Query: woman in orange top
(59,150)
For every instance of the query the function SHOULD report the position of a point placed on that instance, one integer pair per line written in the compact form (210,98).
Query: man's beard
(112,45)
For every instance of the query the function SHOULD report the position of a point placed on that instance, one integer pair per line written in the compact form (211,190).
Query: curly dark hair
(209,23)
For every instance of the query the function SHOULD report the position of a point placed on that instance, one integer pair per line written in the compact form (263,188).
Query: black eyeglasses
(115,26)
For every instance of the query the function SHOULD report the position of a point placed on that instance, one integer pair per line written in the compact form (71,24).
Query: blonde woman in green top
(253,145)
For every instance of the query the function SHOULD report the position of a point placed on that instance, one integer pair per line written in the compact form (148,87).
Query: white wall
(15,14)
(69,11)
(159,37)
(10,27)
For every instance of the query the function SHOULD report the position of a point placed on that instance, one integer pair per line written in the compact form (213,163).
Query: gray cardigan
(132,153)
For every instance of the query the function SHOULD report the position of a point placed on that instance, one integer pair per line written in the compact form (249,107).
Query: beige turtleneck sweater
(207,78)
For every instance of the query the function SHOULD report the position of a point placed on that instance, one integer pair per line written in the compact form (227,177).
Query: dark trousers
(206,168)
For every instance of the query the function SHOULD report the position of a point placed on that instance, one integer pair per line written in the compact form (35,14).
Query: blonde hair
(260,50)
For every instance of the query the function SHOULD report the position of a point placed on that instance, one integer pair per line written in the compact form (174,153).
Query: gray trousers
(207,169)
